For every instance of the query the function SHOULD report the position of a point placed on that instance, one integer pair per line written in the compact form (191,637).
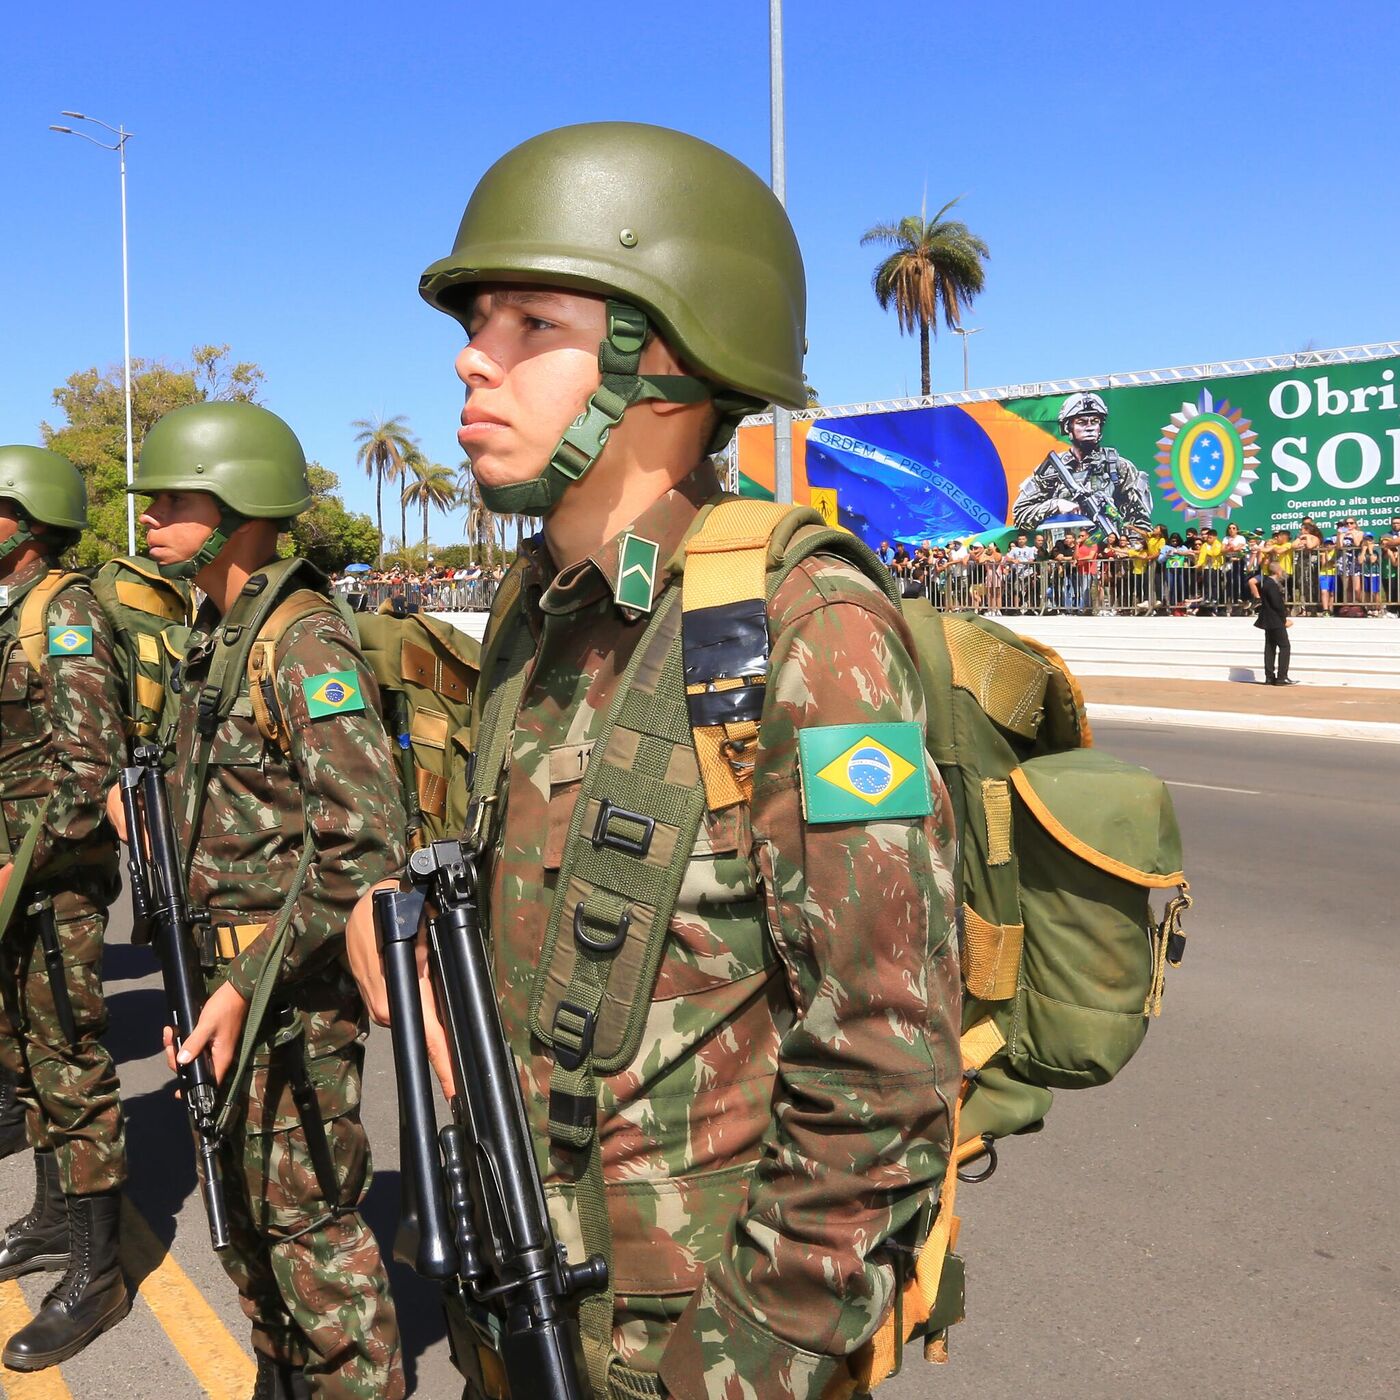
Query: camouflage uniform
(314,1287)
(789,1107)
(60,734)
(1103,480)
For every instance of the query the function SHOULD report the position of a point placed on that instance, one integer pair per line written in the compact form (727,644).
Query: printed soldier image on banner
(1088,482)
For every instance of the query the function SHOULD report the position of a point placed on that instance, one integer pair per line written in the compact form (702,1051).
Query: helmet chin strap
(229,521)
(582,444)
(21,537)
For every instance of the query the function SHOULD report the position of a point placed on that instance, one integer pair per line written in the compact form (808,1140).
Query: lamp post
(119,146)
(782,418)
(958,330)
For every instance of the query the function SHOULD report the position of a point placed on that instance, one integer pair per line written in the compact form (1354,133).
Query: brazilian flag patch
(70,641)
(863,772)
(335,693)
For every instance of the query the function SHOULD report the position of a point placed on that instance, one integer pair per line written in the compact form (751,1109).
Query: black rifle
(41,911)
(160,900)
(1103,515)
(474,1214)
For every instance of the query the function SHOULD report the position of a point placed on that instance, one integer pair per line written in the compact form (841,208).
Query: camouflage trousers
(70,1093)
(312,1283)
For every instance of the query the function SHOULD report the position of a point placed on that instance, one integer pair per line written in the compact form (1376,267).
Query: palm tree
(433,485)
(382,444)
(935,261)
(480,531)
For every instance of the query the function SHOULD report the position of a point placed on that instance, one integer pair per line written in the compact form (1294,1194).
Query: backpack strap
(262,663)
(34,612)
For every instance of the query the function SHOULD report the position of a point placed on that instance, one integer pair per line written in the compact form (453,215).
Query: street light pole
(119,146)
(958,330)
(782,418)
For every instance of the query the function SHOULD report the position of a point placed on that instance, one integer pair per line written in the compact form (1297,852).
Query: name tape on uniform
(858,773)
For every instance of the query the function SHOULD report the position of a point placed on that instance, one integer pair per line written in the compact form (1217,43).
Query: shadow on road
(419,1302)
(162,1159)
(123,963)
(134,1021)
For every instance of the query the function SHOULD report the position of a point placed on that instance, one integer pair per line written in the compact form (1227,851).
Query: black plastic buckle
(611,942)
(207,716)
(572,1059)
(603,835)
(255,585)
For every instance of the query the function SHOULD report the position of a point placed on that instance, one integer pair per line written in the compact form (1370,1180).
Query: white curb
(1250,723)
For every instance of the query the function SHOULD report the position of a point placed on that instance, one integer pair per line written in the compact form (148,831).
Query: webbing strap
(634,823)
(996,809)
(33,614)
(991,956)
(1008,683)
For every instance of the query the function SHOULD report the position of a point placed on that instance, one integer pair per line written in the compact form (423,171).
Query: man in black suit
(1274,620)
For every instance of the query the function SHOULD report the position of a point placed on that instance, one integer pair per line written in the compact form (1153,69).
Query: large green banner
(1262,449)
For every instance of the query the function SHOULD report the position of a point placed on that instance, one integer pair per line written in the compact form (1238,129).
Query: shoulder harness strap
(34,611)
(262,662)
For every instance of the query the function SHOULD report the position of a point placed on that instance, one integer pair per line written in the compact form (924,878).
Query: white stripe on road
(1211,787)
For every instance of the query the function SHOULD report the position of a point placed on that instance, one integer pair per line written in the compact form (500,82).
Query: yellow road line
(205,1345)
(25,1385)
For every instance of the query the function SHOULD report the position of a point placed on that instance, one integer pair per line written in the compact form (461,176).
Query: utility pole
(782,418)
(958,330)
(119,146)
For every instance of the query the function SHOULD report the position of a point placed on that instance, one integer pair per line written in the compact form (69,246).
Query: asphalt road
(1217,1223)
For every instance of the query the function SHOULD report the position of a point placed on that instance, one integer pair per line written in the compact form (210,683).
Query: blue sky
(1158,184)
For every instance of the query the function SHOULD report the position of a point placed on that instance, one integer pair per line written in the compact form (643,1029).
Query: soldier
(60,734)
(279,833)
(1089,481)
(629,293)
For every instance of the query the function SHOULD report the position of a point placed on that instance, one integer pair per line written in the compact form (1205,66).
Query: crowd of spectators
(1342,569)
(435,589)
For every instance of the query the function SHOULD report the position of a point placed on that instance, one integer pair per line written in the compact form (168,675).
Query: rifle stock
(160,900)
(475,1213)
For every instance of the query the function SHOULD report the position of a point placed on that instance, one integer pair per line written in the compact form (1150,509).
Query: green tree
(93,433)
(382,444)
(329,535)
(936,262)
(432,485)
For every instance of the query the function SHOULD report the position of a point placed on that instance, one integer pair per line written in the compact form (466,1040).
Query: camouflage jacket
(258,802)
(789,1105)
(61,733)
(1103,481)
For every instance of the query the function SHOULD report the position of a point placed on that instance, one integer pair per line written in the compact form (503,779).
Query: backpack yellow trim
(143,598)
(1082,849)
(991,956)
(1008,684)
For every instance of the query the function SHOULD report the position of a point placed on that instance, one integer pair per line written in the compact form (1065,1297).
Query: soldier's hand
(219,1026)
(362,951)
(116,813)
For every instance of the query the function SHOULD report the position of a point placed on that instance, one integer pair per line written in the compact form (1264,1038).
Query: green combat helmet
(678,236)
(47,489)
(248,459)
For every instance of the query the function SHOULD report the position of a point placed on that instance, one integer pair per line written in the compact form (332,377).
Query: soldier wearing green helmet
(60,705)
(739,1055)
(286,806)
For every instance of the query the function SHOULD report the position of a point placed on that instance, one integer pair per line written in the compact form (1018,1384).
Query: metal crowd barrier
(1352,579)
(436,596)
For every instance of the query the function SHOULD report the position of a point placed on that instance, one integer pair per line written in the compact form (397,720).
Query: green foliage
(93,435)
(329,535)
(454,556)
(936,262)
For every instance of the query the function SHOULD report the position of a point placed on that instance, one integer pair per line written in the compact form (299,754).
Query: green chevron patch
(70,641)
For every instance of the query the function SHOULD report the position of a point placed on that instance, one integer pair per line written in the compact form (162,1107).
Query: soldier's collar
(631,566)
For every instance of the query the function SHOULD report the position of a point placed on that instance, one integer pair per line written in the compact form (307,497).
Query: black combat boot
(39,1240)
(88,1299)
(277,1381)
(12,1138)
